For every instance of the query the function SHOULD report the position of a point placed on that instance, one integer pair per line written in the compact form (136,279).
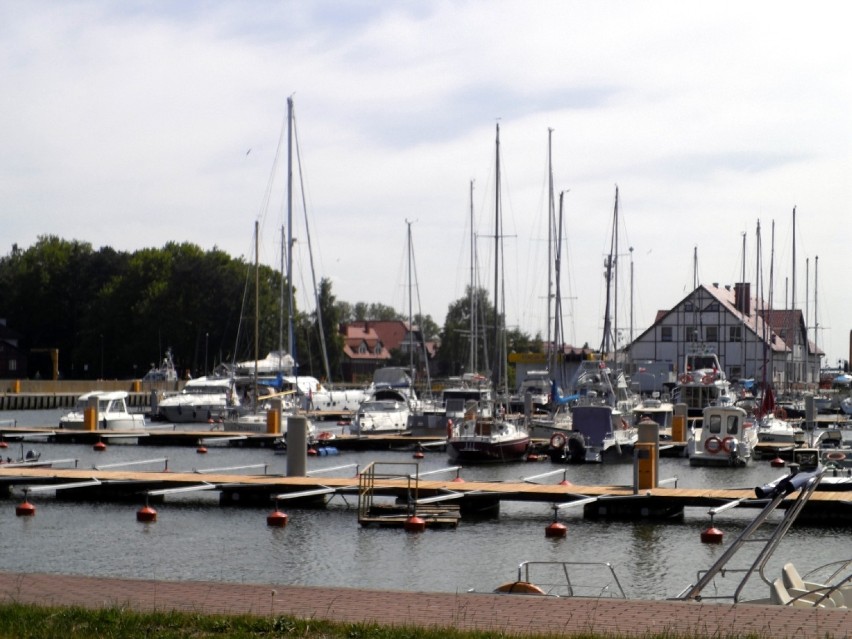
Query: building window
(711,334)
(688,307)
(666,334)
(362,349)
(13,365)
(378,349)
(735,333)
(712,307)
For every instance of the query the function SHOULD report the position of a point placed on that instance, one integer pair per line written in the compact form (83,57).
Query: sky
(134,124)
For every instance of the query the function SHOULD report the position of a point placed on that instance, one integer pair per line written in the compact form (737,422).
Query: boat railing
(572,578)
(802,483)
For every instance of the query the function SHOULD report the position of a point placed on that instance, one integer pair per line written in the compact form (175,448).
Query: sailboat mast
(291,346)
(410,315)
(496,375)
(256,304)
(474,338)
(551,213)
(609,264)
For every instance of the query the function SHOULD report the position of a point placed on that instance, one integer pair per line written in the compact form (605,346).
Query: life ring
(325,435)
(781,413)
(449,429)
(713,445)
(835,455)
(685,378)
(519,588)
(708,379)
(557,440)
(727,444)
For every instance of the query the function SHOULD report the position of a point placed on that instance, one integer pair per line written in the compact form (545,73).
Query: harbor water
(196,539)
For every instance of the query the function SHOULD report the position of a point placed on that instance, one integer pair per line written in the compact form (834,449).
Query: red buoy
(201,450)
(458,479)
(712,536)
(25,509)
(146,514)
(419,455)
(99,446)
(777,463)
(565,482)
(312,452)
(3,444)
(532,457)
(276,519)
(556,529)
(415,524)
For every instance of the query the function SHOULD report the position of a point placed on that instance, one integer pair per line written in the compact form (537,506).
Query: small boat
(598,434)
(535,388)
(726,438)
(389,402)
(654,408)
(165,372)
(203,399)
(112,412)
(480,439)
(565,579)
(703,383)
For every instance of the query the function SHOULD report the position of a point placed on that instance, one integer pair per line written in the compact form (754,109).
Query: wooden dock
(472,498)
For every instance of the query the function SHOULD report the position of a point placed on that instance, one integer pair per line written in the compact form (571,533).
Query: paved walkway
(509,614)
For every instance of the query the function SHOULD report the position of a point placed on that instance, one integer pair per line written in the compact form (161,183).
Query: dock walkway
(517,615)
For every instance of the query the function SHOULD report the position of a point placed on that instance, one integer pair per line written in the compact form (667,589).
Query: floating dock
(472,498)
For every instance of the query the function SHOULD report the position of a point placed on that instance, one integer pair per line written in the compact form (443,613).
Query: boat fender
(519,588)
(712,445)
(781,413)
(558,440)
(708,379)
(685,378)
(449,429)
(835,455)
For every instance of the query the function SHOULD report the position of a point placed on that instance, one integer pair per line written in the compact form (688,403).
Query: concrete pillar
(297,445)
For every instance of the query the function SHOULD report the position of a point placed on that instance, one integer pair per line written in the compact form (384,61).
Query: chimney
(742,297)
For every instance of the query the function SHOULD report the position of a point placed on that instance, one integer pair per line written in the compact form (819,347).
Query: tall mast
(793,298)
(410,315)
(474,339)
(609,265)
(497,373)
(550,220)
(256,306)
(291,344)
(816,320)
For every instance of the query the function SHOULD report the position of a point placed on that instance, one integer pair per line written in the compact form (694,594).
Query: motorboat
(165,372)
(535,389)
(598,433)
(703,383)
(204,399)
(477,438)
(727,437)
(390,400)
(112,412)
(662,412)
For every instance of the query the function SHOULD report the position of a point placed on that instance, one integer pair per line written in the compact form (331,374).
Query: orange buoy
(415,524)
(777,462)
(312,452)
(3,444)
(146,514)
(201,450)
(457,479)
(556,529)
(565,482)
(25,509)
(276,519)
(419,455)
(712,536)
(99,446)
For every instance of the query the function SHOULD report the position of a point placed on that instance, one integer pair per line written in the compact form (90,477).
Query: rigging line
(323,346)
(420,313)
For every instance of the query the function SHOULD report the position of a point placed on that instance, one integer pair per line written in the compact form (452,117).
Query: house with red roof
(750,339)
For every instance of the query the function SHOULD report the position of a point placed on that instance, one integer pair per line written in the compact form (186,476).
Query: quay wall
(34,394)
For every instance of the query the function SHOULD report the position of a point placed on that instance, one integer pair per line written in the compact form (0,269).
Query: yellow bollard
(646,461)
(273,421)
(137,386)
(16,386)
(679,428)
(90,418)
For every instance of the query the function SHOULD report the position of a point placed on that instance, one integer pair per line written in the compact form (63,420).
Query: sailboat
(478,438)
(602,401)
(256,419)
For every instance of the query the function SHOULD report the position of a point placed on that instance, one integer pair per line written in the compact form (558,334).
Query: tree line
(112,314)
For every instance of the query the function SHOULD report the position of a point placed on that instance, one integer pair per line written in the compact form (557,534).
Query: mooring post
(297,445)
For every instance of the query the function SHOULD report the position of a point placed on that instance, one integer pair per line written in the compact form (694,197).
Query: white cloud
(130,126)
